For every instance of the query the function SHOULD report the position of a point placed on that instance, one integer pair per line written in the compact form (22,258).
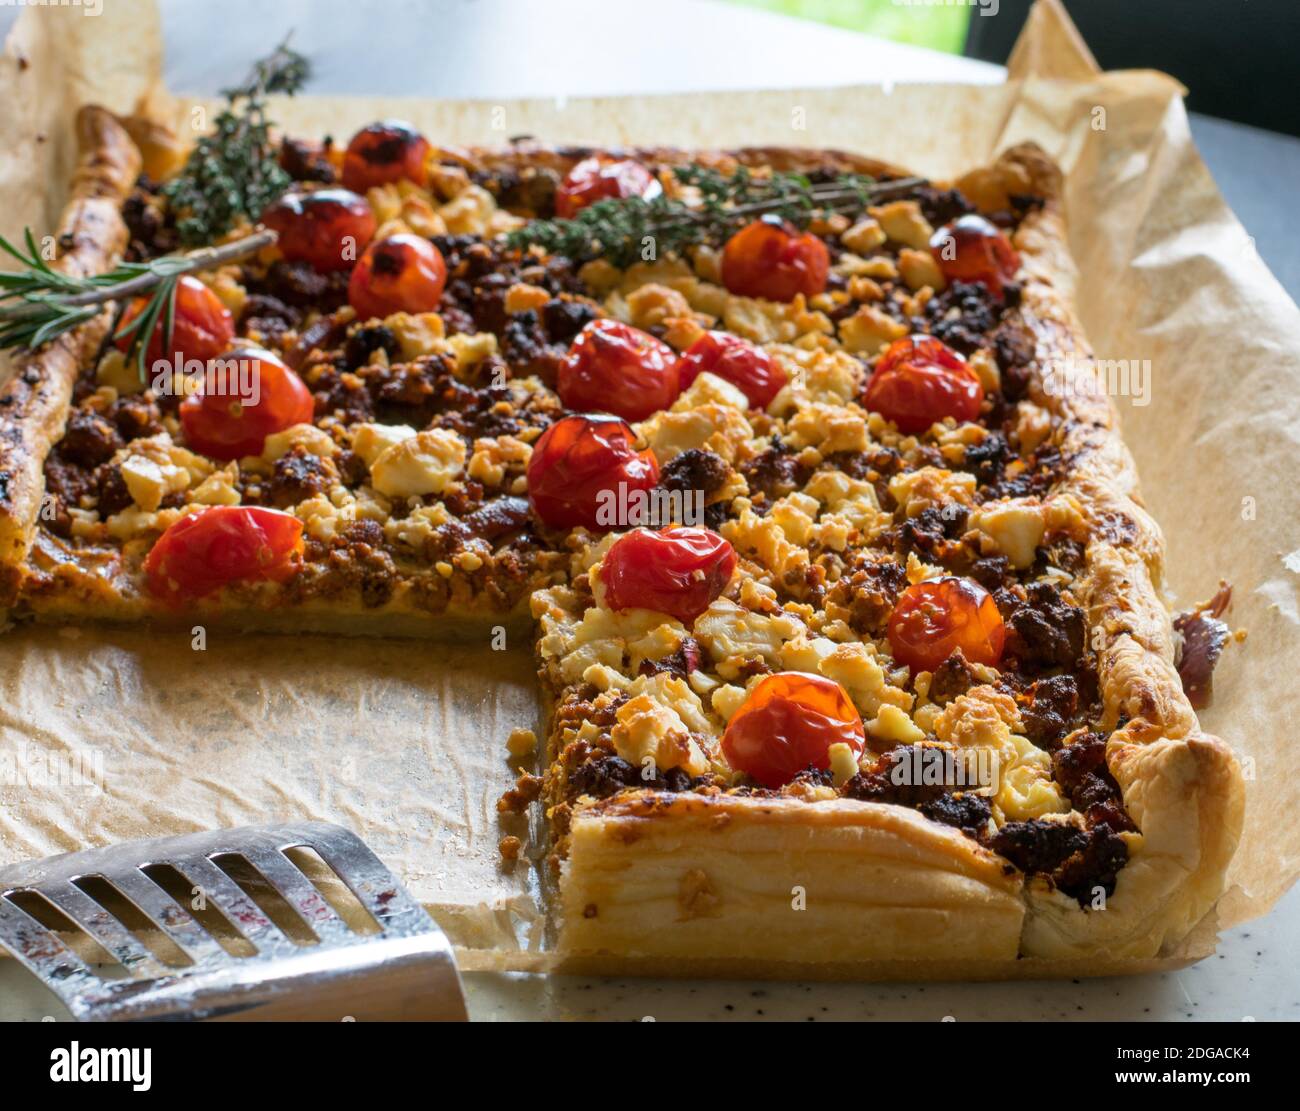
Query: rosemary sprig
(44,303)
(618,229)
(234,172)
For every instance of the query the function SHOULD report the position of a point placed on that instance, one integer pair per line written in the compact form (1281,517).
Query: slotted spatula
(405,970)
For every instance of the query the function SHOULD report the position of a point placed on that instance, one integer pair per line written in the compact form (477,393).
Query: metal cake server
(105,935)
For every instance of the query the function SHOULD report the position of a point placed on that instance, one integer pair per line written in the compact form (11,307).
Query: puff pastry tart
(847,612)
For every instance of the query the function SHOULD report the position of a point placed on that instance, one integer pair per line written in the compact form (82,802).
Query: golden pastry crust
(35,400)
(739,880)
(1183,787)
(528,154)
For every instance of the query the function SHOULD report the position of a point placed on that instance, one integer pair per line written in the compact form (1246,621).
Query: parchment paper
(404,741)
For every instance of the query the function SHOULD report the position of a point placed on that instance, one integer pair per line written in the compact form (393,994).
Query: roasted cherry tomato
(600,178)
(920,380)
(210,548)
(304,160)
(328,228)
(773,259)
(971,249)
(382,152)
(615,368)
(403,273)
(746,366)
(202,326)
(931,620)
(247,395)
(678,571)
(788,723)
(578,466)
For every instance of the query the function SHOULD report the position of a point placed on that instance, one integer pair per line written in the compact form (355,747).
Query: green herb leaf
(716,205)
(234,173)
(38,303)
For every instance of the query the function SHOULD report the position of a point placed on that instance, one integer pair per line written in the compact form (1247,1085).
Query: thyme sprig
(45,303)
(620,229)
(234,172)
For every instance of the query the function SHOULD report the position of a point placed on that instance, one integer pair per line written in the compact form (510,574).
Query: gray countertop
(507,48)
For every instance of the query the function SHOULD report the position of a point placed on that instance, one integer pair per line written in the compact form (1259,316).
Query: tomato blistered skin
(384,152)
(919,381)
(578,466)
(678,571)
(933,619)
(202,327)
(247,395)
(327,228)
(772,259)
(214,547)
(403,273)
(602,178)
(788,723)
(971,249)
(614,368)
(745,365)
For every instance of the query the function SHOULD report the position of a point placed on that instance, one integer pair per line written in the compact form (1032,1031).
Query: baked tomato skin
(326,228)
(933,619)
(379,153)
(788,723)
(772,259)
(202,326)
(614,368)
(247,395)
(578,466)
(918,381)
(971,249)
(403,273)
(678,571)
(602,178)
(223,544)
(745,365)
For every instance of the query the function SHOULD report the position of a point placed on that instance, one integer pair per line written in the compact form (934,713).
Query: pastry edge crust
(658,876)
(37,395)
(340,615)
(1182,786)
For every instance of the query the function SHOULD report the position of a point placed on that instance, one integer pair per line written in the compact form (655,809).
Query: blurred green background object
(938,26)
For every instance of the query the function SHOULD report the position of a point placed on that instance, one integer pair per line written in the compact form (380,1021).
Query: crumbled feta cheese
(371,440)
(1012,528)
(426,463)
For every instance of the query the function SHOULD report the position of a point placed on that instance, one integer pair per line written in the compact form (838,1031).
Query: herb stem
(168,266)
(824,198)
(621,229)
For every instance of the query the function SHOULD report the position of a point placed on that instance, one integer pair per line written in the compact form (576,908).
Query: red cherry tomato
(211,548)
(788,722)
(772,259)
(327,228)
(918,381)
(677,571)
(403,273)
(614,368)
(600,178)
(247,395)
(578,466)
(202,326)
(384,152)
(931,620)
(748,367)
(971,249)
